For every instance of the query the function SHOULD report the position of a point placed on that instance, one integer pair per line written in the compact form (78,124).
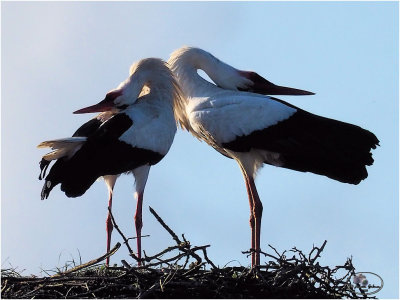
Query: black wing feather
(85,130)
(102,154)
(88,128)
(310,143)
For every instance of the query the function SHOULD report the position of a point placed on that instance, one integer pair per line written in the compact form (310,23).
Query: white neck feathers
(185,61)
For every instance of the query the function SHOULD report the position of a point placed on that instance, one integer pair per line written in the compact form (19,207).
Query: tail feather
(338,150)
(44,164)
(63,150)
(66,147)
(61,143)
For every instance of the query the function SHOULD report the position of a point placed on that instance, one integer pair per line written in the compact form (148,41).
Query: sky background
(59,57)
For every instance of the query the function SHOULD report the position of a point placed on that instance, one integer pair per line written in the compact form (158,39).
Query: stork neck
(185,66)
(158,89)
(162,95)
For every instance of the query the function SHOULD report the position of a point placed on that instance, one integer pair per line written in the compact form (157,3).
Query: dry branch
(90,263)
(163,276)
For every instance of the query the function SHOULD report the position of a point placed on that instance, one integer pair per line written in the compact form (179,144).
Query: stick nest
(185,271)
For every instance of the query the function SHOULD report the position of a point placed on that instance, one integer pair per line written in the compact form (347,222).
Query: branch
(90,263)
(174,236)
(319,250)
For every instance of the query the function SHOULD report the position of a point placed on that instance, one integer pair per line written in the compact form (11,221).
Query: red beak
(104,105)
(263,86)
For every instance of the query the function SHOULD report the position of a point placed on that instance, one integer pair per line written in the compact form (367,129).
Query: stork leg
(109,226)
(141,174)
(139,225)
(110,182)
(255,217)
(257,214)
(253,237)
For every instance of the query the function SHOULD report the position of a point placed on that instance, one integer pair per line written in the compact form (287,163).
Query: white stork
(134,132)
(253,129)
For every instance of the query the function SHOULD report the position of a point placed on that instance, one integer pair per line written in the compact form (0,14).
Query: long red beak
(263,86)
(105,105)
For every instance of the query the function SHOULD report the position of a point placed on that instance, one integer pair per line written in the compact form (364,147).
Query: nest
(185,271)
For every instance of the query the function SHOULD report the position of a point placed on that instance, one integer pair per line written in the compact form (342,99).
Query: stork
(134,131)
(237,118)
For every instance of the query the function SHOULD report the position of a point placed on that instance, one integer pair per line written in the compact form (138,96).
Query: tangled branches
(183,271)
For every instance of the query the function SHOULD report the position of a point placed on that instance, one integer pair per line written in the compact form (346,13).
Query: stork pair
(137,125)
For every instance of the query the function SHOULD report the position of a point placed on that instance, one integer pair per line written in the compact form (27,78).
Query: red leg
(109,226)
(257,213)
(138,225)
(251,221)
(141,174)
(252,217)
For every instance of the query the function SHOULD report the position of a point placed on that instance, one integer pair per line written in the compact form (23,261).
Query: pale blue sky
(58,57)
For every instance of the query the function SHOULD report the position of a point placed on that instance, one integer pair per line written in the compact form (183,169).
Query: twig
(208,260)
(183,246)
(174,236)
(319,250)
(90,263)
(135,237)
(89,293)
(251,250)
(169,249)
(126,265)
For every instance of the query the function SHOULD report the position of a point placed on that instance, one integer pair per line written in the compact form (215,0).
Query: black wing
(89,127)
(85,130)
(310,143)
(102,154)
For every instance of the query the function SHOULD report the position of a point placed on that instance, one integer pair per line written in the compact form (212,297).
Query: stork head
(230,78)
(124,95)
(143,75)
(226,76)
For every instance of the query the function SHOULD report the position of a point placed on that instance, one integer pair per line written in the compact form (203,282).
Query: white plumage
(227,115)
(66,147)
(155,125)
